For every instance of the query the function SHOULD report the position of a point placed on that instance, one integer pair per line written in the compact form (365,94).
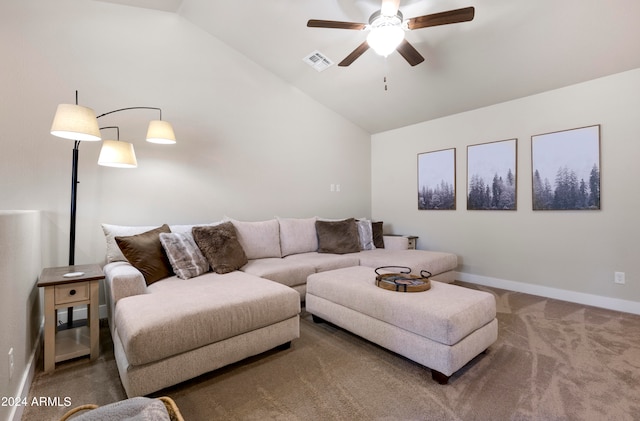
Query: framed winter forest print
(566,169)
(491,175)
(437,180)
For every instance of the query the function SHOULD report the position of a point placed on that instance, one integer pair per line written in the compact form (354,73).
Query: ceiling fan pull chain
(386,72)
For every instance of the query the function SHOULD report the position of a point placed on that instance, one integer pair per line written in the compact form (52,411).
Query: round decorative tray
(403,281)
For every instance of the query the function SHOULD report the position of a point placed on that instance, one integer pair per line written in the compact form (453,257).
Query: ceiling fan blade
(354,54)
(443,18)
(389,7)
(409,53)
(315,23)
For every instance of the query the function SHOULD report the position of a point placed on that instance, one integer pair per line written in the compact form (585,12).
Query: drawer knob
(72,292)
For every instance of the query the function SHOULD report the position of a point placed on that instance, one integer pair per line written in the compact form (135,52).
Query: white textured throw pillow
(184,255)
(365,231)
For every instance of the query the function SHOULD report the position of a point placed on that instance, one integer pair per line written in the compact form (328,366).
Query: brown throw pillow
(339,237)
(144,251)
(378,236)
(220,245)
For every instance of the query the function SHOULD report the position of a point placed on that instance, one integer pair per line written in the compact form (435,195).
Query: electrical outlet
(10,363)
(618,277)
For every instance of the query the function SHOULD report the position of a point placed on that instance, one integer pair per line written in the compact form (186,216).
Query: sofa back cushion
(220,246)
(114,254)
(259,239)
(297,235)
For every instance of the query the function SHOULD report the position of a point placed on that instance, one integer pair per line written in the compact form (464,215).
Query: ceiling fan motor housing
(387,32)
(377,19)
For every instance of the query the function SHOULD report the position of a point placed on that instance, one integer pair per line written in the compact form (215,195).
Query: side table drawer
(71,293)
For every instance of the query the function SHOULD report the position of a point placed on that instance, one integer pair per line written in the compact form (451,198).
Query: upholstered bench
(443,328)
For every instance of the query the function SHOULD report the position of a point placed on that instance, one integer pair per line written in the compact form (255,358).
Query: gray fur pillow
(186,258)
(338,237)
(220,246)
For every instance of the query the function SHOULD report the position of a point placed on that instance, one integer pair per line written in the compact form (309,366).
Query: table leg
(49,329)
(93,321)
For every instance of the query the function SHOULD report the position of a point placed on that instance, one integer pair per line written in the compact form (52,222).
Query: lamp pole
(74,196)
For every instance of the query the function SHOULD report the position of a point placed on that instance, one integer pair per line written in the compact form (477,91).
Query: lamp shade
(75,122)
(385,38)
(116,153)
(160,132)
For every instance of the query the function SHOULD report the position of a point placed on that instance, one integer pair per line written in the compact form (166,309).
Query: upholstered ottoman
(443,328)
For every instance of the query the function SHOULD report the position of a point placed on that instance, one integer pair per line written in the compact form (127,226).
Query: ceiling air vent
(318,61)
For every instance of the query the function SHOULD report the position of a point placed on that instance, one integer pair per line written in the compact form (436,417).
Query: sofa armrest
(122,280)
(396,242)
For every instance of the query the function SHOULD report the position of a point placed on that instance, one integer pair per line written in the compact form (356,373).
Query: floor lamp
(78,123)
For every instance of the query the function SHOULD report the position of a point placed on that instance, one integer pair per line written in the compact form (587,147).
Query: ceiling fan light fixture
(384,39)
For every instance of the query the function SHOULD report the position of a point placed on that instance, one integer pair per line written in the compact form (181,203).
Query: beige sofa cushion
(445,313)
(259,239)
(298,235)
(180,315)
(324,261)
(114,254)
(284,271)
(433,261)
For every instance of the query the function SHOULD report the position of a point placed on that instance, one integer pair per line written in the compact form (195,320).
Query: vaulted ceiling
(511,49)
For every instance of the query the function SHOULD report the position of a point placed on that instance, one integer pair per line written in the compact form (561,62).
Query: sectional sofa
(184,300)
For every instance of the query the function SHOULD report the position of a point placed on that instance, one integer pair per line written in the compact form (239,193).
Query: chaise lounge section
(175,332)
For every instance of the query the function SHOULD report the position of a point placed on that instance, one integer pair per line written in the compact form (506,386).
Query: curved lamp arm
(131,108)
(159,131)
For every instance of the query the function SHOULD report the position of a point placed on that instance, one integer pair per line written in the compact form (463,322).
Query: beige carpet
(553,361)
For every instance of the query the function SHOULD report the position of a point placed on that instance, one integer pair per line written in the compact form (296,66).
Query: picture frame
(565,169)
(437,180)
(492,175)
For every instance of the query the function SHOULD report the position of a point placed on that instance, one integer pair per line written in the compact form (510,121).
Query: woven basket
(403,281)
(169,404)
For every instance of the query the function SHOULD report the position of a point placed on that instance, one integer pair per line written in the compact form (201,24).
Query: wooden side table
(413,242)
(64,287)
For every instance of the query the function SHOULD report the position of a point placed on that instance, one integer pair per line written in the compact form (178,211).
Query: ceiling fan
(387,27)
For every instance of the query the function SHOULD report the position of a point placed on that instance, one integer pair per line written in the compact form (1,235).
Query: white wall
(250,146)
(570,254)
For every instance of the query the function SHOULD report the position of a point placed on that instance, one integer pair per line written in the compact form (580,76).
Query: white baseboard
(556,293)
(27,376)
